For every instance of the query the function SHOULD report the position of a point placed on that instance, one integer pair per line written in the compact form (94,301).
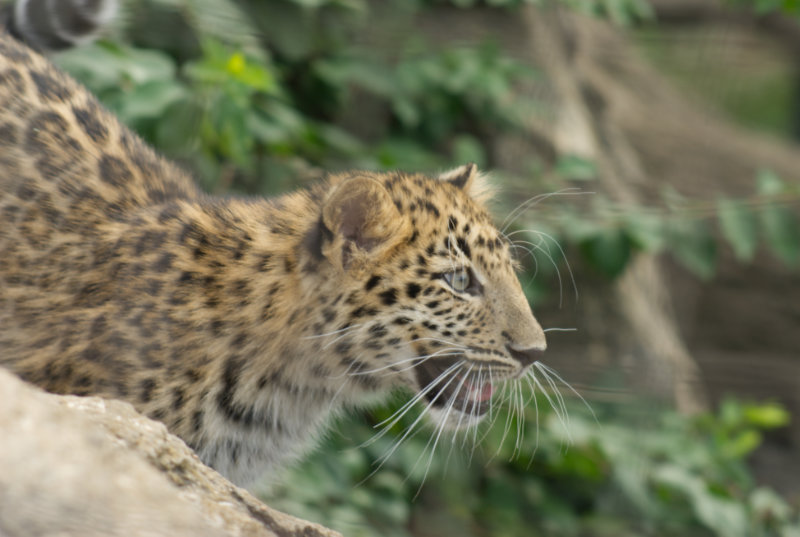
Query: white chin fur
(455,419)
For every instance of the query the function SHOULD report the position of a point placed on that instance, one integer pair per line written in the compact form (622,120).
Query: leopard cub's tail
(58,24)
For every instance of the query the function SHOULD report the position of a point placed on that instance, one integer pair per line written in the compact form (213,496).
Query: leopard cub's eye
(459,279)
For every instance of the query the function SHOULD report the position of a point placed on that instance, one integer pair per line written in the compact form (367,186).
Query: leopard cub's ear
(462,177)
(364,221)
(469,179)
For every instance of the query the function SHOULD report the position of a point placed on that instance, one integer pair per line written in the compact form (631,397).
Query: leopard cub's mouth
(451,384)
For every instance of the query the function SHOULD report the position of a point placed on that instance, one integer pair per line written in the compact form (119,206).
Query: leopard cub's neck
(272,348)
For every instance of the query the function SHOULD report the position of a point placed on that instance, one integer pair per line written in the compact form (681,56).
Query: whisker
(419,359)
(345,329)
(536,418)
(416,398)
(445,341)
(555,408)
(440,428)
(425,359)
(334,340)
(477,385)
(383,458)
(557,393)
(507,426)
(520,415)
(543,247)
(344,382)
(492,416)
(536,409)
(540,366)
(533,201)
(564,257)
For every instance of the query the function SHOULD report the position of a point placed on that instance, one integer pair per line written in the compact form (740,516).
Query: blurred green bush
(567,475)
(258,117)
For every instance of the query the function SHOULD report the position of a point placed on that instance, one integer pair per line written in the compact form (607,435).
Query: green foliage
(253,119)
(763,7)
(738,225)
(778,220)
(674,476)
(622,12)
(608,235)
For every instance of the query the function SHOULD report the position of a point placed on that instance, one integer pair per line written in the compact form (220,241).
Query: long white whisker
(419,359)
(345,329)
(386,429)
(563,256)
(557,393)
(417,397)
(504,397)
(449,407)
(507,426)
(543,247)
(518,411)
(334,340)
(555,407)
(541,366)
(531,202)
(383,458)
(536,407)
(444,341)
(344,382)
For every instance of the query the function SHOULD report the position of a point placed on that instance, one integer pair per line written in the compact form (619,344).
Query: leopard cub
(241,323)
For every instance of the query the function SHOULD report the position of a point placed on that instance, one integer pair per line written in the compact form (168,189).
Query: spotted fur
(241,323)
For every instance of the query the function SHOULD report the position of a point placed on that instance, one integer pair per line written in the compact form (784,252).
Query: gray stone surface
(83,466)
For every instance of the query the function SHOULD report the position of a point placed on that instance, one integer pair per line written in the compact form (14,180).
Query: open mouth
(452,383)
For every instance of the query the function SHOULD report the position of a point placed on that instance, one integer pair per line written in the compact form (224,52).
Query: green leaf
(338,140)
(769,184)
(369,75)
(249,73)
(150,100)
(742,444)
(692,244)
(609,250)
(724,516)
(739,226)
(768,505)
(576,168)
(767,416)
(178,131)
(778,222)
(105,67)
(468,149)
(406,111)
(781,231)
(645,230)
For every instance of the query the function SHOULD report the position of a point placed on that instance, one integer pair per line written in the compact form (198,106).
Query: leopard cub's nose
(525,356)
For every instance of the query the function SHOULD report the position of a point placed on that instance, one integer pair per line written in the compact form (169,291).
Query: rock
(84,466)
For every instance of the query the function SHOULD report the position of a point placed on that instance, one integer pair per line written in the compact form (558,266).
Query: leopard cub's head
(424,291)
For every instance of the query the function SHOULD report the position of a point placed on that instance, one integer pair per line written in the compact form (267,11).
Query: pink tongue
(483,393)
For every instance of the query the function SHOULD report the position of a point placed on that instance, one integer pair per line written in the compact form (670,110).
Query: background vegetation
(261,97)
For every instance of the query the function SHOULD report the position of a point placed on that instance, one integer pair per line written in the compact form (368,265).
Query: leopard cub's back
(59,142)
(70,175)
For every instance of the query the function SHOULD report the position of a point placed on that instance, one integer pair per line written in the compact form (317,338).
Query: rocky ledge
(84,466)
